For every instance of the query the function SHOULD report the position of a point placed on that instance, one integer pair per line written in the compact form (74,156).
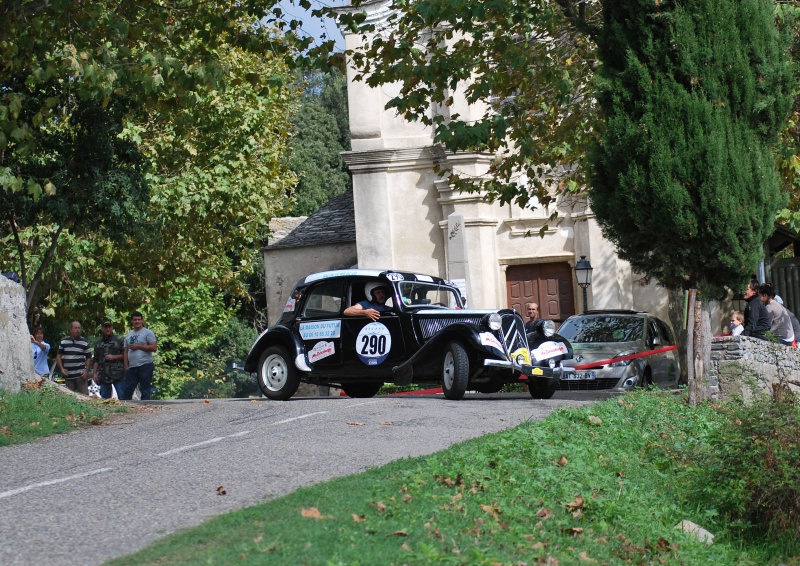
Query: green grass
(43,410)
(584,486)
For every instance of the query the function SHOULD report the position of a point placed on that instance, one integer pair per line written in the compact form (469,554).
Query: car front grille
(587,384)
(514,332)
(430,326)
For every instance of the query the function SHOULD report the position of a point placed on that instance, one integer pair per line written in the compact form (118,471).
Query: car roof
(388,275)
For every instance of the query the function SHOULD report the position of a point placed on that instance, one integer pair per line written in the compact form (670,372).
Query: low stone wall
(743,366)
(16,360)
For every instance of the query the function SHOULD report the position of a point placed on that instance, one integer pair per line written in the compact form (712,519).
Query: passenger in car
(375,305)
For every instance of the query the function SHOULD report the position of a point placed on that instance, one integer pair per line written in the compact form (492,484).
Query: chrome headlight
(495,321)
(549,328)
(623,362)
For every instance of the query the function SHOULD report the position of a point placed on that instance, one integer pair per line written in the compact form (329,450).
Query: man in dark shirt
(109,369)
(532,310)
(757,321)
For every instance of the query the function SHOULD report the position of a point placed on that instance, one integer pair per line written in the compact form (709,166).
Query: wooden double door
(547,284)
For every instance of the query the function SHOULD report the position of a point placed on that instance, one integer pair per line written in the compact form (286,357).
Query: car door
(372,347)
(320,325)
(665,364)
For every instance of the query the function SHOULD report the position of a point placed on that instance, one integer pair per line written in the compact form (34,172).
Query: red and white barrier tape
(600,363)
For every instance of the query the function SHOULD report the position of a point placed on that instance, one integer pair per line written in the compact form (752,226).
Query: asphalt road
(91,495)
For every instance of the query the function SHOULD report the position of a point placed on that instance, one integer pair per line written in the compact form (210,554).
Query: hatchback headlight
(623,362)
(495,321)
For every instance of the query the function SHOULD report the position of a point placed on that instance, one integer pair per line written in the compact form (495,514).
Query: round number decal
(373,343)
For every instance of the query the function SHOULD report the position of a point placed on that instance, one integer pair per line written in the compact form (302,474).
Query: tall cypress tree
(693,94)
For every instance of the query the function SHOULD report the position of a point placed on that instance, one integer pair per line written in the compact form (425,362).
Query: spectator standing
(140,345)
(532,310)
(109,362)
(737,323)
(756,318)
(74,356)
(781,325)
(40,349)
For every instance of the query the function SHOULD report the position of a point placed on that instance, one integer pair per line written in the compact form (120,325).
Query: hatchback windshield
(416,294)
(605,328)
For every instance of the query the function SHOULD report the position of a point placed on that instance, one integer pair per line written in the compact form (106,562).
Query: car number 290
(373,344)
(578,375)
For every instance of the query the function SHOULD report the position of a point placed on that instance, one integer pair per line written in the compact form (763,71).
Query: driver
(375,305)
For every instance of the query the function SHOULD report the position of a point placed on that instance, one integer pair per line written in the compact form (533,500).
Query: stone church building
(401,215)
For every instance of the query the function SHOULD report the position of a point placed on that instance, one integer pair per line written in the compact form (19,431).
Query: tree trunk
(676,314)
(700,348)
(690,368)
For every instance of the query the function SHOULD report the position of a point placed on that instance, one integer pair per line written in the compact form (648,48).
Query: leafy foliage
(321,134)
(754,460)
(683,179)
(525,69)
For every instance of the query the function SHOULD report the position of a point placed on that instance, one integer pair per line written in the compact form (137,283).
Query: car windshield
(416,295)
(607,328)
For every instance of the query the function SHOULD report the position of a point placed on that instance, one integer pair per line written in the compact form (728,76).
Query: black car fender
(274,336)
(468,334)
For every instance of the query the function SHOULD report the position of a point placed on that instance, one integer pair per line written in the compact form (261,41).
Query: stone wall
(742,365)
(16,360)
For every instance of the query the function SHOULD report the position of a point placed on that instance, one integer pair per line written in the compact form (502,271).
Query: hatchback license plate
(578,375)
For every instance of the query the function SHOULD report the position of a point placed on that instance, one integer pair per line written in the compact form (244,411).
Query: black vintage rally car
(425,336)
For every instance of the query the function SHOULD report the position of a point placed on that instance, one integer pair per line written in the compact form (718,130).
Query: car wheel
(455,371)
(543,389)
(277,376)
(361,390)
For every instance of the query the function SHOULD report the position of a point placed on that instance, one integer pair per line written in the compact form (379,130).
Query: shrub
(753,468)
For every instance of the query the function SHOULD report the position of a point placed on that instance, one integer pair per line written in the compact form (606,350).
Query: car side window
(665,334)
(324,300)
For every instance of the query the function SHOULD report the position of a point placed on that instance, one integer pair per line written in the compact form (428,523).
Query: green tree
(693,96)
(322,132)
(531,67)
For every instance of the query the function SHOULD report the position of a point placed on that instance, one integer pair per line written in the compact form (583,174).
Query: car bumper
(623,378)
(525,372)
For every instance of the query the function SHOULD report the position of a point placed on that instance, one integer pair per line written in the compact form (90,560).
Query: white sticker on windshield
(550,350)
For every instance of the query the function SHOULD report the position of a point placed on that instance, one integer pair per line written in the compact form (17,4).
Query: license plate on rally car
(578,375)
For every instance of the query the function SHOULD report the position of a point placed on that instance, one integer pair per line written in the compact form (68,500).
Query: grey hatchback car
(603,336)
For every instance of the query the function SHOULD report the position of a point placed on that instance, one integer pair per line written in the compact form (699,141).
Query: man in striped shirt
(74,354)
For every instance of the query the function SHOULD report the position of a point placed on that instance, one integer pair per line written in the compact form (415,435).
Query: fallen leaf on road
(221,491)
(386,422)
(355,423)
(206,401)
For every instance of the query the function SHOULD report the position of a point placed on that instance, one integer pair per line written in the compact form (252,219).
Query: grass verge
(591,485)
(41,410)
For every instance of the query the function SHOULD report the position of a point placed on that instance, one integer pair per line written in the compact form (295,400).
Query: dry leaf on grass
(585,557)
(562,461)
(358,518)
(544,513)
(381,507)
(577,504)
(574,531)
(400,533)
(595,420)
(313,513)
